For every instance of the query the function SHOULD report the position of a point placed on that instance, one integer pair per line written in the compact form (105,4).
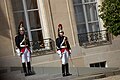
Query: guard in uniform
(23,44)
(64,51)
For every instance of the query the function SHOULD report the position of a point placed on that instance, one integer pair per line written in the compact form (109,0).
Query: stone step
(75,70)
(17,75)
(57,70)
(90,77)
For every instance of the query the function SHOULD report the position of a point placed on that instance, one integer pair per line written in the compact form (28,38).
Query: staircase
(47,73)
(50,70)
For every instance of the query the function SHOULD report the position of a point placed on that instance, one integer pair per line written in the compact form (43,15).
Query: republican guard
(64,52)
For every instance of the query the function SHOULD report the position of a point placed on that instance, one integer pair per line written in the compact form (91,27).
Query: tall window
(33,17)
(86,17)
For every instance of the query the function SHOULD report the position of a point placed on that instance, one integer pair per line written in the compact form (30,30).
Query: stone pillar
(6,45)
(100,20)
(101,23)
(44,23)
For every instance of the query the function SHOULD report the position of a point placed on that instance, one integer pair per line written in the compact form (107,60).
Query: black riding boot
(24,69)
(67,69)
(29,68)
(63,70)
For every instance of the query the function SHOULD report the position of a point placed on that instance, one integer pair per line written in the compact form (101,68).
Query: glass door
(35,25)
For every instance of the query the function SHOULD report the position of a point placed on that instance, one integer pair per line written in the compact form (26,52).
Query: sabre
(74,66)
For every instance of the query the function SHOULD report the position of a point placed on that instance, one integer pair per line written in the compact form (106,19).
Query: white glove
(18,51)
(59,53)
(70,51)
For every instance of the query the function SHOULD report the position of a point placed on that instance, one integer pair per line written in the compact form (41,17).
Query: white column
(44,23)
(71,23)
(7,7)
(99,2)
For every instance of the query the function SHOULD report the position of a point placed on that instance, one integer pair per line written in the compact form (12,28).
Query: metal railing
(96,38)
(43,48)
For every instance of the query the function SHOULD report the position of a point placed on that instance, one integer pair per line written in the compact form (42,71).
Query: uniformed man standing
(64,51)
(23,45)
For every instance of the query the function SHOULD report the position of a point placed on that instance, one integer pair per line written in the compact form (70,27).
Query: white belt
(63,47)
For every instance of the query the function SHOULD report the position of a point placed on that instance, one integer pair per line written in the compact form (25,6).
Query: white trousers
(64,56)
(26,56)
